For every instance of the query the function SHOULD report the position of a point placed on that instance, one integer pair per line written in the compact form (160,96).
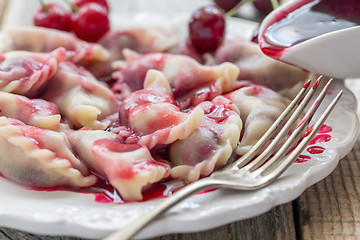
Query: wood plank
(277,224)
(331,208)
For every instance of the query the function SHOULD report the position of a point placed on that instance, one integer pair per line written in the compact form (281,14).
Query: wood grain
(276,224)
(331,208)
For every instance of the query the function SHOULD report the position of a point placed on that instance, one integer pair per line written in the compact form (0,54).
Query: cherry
(90,22)
(207,28)
(80,3)
(52,15)
(227,5)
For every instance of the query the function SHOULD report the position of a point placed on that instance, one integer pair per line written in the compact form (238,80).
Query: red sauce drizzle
(306,85)
(100,198)
(157,191)
(208,191)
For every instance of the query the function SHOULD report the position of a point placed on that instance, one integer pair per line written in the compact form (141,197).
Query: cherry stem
(235,9)
(44,7)
(274,3)
(73,7)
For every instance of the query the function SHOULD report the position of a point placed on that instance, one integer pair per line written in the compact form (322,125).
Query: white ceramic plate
(77,214)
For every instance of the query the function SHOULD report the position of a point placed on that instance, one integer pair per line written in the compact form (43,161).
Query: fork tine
(273,145)
(305,141)
(264,139)
(304,122)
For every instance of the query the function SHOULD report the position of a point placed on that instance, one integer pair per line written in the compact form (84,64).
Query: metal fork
(248,172)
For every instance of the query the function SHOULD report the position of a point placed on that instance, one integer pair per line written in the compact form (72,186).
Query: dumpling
(141,40)
(38,39)
(128,167)
(257,67)
(184,48)
(188,79)
(153,116)
(34,112)
(27,73)
(83,100)
(41,158)
(259,108)
(211,145)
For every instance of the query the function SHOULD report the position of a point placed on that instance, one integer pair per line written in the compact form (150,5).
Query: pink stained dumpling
(39,158)
(81,99)
(140,39)
(187,78)
(153,115)
(128,167)
(183,47)
(27,73)
(211,145)
(35,112)
(258,68)
(39,39)
(259,108)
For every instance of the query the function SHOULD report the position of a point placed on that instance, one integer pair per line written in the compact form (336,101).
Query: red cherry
(227,5)
(91,22)
(53,16)
(207,28)
(80,3)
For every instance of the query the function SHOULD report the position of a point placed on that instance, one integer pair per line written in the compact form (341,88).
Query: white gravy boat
(335,54)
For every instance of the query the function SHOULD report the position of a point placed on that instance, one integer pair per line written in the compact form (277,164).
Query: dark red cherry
(207,28)
(80,3)
(91,22)
(52,15)
(227,5)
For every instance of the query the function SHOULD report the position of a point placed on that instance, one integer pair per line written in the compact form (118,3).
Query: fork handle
(168,203)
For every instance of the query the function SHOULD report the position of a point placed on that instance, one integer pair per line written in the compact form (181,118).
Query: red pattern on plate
(321,136)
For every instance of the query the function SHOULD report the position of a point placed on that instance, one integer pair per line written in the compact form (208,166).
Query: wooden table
(328,210)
